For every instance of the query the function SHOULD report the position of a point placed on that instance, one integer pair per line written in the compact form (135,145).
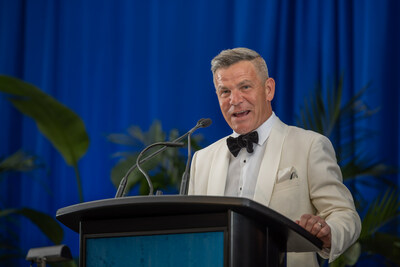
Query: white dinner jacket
(298,175)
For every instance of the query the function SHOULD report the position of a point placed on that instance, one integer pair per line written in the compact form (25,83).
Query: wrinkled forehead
(236,73)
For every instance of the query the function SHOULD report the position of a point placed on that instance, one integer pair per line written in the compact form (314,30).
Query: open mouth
(241,113)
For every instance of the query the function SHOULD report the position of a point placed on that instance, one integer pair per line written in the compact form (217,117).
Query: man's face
(245,100)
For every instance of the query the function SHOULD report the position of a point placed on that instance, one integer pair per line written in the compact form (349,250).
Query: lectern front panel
(186,249)
(194,240)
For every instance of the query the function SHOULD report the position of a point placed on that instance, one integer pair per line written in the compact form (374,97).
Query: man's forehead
(237,73)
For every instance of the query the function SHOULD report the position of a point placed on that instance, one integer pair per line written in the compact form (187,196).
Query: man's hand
(316,226)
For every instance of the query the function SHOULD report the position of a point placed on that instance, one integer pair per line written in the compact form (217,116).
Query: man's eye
(224,92)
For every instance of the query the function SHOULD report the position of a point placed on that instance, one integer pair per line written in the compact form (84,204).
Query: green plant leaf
(122,167)
(384,209)
(384,244)
(64,129)
(47,224)
(329,115)
(349,257)
(338,121)
(19,161)
(352,254)
(165,169)
(339,262)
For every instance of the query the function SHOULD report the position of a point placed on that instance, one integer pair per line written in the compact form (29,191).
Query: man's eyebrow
(244,82)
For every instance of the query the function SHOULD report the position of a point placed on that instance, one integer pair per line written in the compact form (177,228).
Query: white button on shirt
(243,170)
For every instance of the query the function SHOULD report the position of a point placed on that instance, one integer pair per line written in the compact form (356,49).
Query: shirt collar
(264,130)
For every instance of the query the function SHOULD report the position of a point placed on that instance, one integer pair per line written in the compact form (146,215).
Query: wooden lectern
(179,230)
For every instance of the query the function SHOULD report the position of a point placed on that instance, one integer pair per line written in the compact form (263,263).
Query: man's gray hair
(229,57)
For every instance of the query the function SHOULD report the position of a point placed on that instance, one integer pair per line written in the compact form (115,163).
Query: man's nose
(236,97)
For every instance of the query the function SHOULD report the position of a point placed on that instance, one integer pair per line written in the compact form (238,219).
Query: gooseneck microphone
(202,123)
(166,144)
(186,174)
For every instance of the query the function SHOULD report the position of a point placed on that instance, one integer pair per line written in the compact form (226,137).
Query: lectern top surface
(147,206)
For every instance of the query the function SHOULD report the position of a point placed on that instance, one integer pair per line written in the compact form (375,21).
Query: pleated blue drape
(119,63)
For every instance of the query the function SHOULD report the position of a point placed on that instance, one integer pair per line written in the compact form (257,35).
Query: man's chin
(242,129)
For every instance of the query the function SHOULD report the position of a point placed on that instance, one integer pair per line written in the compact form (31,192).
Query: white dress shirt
(243,169)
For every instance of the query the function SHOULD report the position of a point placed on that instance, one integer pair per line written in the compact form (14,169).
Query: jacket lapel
(270,163)
(219,170)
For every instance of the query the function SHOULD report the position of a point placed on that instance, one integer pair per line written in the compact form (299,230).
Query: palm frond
(343,124)
(166,168)
(384,244)
(384,209)
(361,167)
(334,102)
(136,133)
(121,139)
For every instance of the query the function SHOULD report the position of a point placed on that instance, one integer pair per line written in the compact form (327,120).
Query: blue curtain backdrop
(119,63)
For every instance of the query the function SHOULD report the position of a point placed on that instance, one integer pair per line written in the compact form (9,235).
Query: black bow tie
(246,140)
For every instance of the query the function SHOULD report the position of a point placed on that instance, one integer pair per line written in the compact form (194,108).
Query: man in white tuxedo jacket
(285,168)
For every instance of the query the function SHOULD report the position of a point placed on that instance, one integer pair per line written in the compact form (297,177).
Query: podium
(179,230)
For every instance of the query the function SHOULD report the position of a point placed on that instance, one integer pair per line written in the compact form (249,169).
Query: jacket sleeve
(331,198)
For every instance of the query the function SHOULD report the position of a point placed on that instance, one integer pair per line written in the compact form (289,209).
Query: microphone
(165,144)
(202,123)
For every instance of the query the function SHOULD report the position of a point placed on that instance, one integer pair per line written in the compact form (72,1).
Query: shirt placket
(243,164)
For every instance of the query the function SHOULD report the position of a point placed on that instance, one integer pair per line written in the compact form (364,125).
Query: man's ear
(270,89)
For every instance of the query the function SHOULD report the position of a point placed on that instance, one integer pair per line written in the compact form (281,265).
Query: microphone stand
(122,184)
(165,144)
(185,177)
(202,123)
(186,174)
